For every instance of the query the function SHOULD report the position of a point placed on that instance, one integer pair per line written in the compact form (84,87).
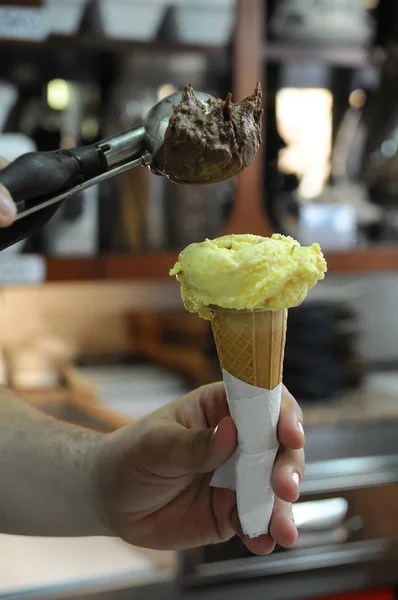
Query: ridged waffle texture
(251,344)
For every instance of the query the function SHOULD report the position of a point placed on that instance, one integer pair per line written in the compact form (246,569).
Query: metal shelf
(339,56)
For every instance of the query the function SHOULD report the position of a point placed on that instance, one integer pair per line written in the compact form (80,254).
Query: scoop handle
(37,176)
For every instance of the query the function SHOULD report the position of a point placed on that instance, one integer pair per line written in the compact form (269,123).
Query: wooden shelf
(156,266)
(383,258)
(140,266)
(143,267)
(74,269)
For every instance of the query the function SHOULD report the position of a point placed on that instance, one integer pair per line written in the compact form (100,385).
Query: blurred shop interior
(92,328)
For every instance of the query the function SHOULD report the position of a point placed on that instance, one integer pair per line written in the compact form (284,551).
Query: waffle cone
(251,344)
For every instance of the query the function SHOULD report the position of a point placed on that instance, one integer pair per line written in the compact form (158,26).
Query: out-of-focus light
(304,120)
(58,94)
(357,99)
(166,90)
(320,514)
(389,148)
(90,128)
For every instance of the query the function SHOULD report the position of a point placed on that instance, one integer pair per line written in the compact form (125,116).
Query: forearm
(46,485)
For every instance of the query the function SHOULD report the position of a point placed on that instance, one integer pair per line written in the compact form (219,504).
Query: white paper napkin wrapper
(255,412)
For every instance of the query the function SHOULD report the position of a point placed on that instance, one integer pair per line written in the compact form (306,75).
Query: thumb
(179,451)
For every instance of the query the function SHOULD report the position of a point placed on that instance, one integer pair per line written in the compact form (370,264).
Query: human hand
(152,478)
(8,210)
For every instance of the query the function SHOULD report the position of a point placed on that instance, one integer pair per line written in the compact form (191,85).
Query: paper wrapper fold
(251,347)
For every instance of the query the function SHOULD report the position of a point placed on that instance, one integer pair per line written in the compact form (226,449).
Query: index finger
(213,401)
(290,427)
(203,408)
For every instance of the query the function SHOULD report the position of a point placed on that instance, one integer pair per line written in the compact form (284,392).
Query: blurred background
(92,330)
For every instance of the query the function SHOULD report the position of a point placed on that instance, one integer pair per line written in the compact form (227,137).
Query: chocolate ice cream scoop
(208,142)
(189,136)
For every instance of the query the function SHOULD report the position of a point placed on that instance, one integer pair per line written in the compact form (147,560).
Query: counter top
(375,402)
(135,390)
(297,586)
(55,567)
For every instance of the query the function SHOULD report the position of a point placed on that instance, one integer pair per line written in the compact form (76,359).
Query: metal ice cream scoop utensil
(41,179)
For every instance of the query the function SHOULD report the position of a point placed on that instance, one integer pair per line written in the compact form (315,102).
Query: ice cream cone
(251,344)
(244,274)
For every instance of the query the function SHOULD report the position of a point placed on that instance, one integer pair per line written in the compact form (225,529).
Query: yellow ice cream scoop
(247,272)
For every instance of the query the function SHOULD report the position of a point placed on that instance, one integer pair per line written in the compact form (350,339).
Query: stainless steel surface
(139,146)
(325,522)
(292,562)
(157,122)
(81,187)
(299,585)
(123,147)
(320,514)
(356,440)
(327,477)
(358,468)
(146,140)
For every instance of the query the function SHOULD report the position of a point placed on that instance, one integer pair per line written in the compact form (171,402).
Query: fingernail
(7,206)
(301,428)
(296,479)
(295,526)
(213,439)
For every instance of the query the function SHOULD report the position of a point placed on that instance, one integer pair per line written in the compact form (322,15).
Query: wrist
(93,451)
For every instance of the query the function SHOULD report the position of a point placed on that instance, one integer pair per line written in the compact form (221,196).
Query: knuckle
(207,392)
(154,438)
(291,460)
